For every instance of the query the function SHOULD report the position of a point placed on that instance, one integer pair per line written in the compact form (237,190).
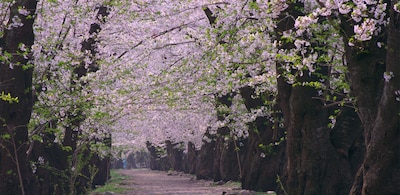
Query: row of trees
(319,77)
(45,151)
(333,71)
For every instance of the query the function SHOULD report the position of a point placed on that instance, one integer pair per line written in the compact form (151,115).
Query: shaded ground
(147,182)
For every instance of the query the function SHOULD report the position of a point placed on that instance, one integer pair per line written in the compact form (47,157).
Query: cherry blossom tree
(158,70)
(176,58)
(63,109)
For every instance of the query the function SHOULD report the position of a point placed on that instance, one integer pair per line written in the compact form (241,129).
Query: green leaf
(8,98)
(6,136)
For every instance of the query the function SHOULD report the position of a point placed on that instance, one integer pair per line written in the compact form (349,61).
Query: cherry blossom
(163,63)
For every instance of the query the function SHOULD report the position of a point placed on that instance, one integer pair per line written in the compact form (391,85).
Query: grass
(116,184)
(234,184)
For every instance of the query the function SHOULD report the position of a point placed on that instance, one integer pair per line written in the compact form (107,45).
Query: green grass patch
(233,184)
(116,184)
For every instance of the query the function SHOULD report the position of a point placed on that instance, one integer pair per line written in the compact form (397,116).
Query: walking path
(147,182)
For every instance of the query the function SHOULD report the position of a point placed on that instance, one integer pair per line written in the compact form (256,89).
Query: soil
(149,182)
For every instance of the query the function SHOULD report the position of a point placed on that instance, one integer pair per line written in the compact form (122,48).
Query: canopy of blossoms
(162,64)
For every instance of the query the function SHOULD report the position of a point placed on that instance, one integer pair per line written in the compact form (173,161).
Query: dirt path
(146,182)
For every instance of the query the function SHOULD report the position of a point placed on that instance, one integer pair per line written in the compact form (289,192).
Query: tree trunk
(16,78)
(205,158)
(378,108)
(315,165)
(191,159)
(55,175)
(262,165)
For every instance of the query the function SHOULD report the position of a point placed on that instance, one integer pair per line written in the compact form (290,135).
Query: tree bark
(260,172)
(16,177)
(315,165)
(378,108)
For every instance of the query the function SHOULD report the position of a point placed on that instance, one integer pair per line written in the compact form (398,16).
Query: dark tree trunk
(191,158)
(227,154)
(228,159)
(103,163)
(175,155)
(50,161)
(158,158)
(130,161)
(55,175)
(15,174)
(377,107)
(153,156)
(262,164)
(315,165)
(205,158)
(259,171)
(117,163)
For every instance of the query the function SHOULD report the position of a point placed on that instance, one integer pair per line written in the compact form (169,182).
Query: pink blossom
(365,31)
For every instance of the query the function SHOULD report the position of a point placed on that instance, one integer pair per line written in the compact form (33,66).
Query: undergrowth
(116,184)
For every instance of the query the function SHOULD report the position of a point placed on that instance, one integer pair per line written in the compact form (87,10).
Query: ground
(148,182)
